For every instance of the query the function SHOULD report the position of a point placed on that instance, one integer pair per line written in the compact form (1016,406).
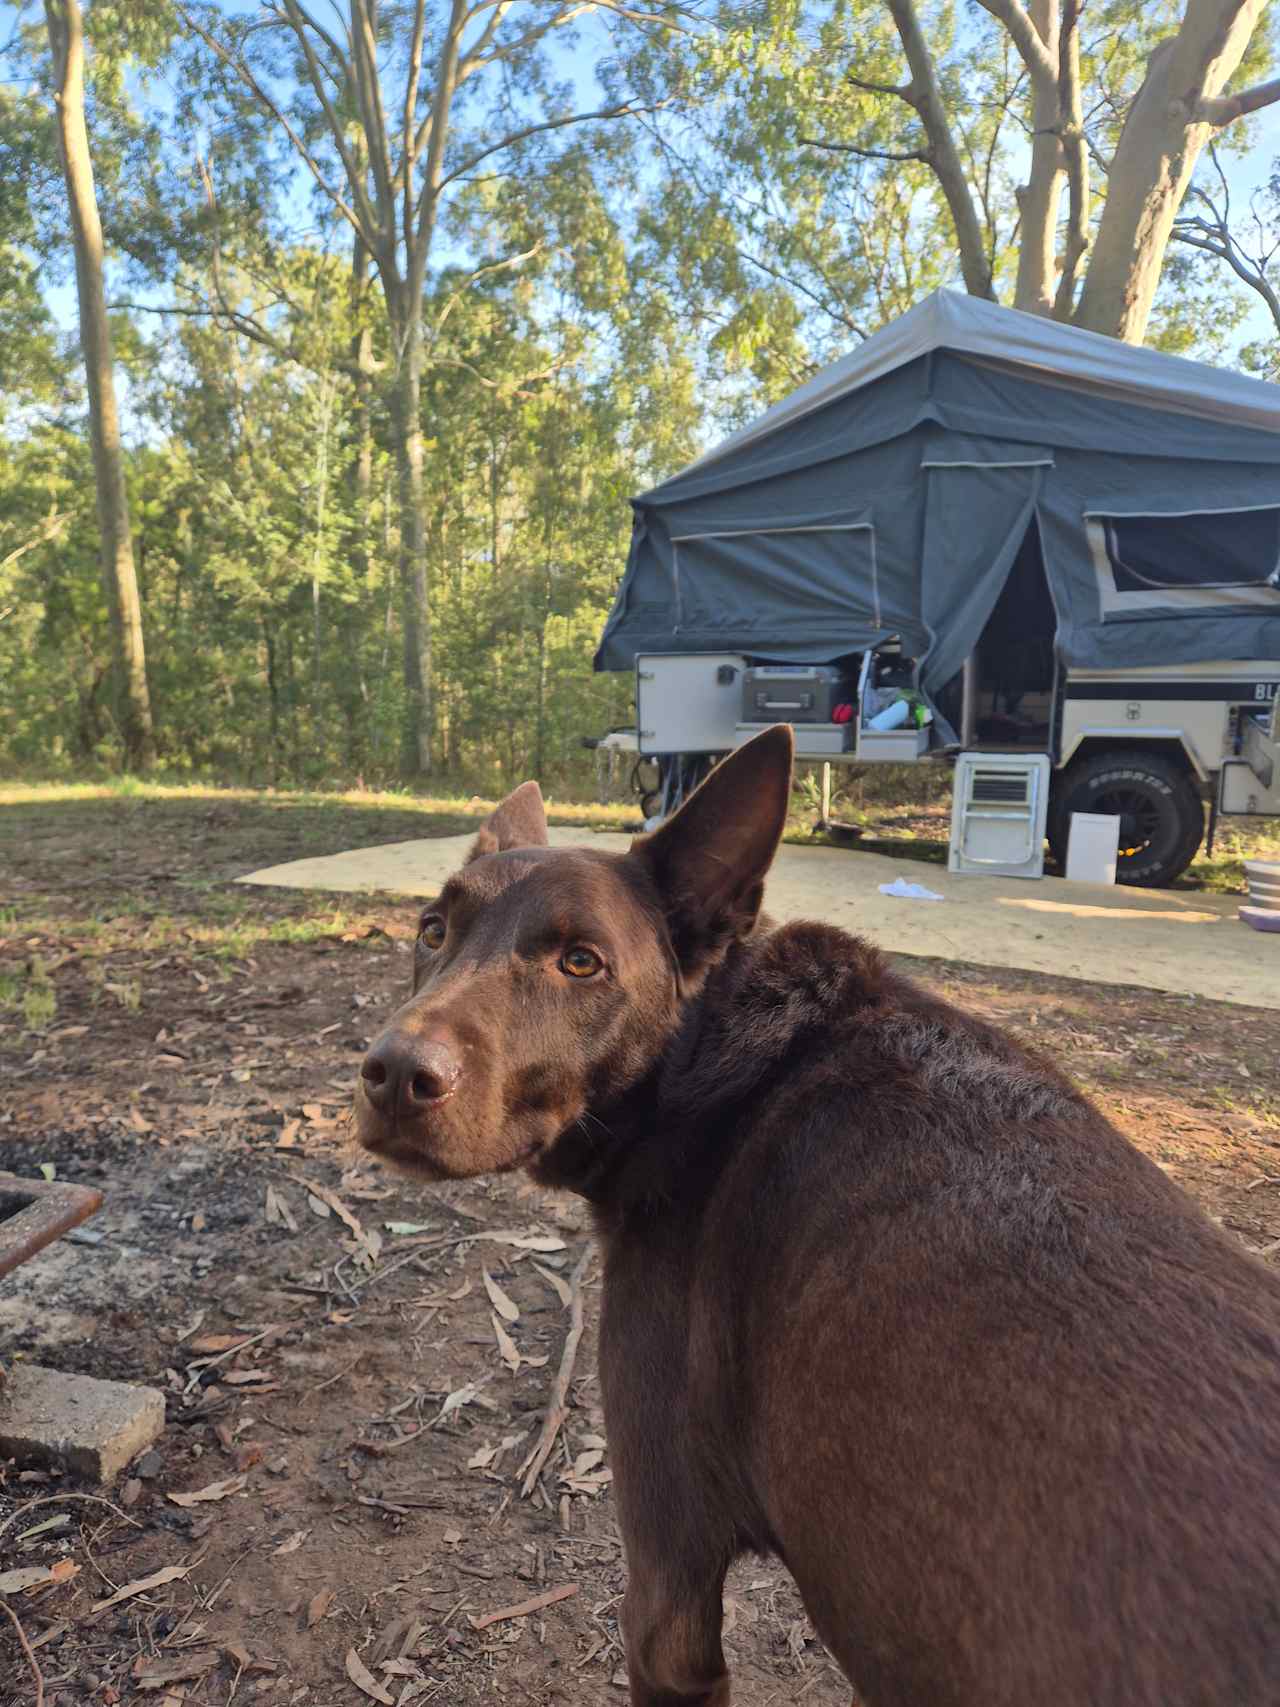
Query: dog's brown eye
(431,931)
(581,962)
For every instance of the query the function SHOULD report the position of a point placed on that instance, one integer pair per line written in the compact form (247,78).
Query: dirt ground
(354,1399)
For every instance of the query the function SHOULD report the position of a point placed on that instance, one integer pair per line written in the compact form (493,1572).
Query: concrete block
(91,1428)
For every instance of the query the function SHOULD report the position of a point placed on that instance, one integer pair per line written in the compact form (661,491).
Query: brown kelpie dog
(884,1294)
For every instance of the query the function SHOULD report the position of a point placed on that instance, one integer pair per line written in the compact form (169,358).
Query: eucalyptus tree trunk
(415,611)
(353,685)
(391,181)
(1178,109)
(1040,198)
(120,581)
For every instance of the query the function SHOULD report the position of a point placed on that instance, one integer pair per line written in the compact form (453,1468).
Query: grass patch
(619,815)
(30,993)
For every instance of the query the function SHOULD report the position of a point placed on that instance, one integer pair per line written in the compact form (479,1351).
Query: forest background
(334,338)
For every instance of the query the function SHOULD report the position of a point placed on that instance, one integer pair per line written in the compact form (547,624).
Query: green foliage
(262,484)
(599,301)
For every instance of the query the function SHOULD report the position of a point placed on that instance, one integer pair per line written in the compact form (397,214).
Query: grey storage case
(794,693)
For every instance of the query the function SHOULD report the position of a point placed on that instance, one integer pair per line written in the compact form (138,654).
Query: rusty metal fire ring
(35,1212)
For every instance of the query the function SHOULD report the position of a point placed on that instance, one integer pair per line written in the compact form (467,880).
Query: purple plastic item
(1261,919)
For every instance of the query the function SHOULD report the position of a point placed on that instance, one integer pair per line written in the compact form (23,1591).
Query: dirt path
(190,1047)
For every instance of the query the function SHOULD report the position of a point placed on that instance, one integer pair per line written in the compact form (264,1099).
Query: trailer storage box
(688,702)
(813,740)
(892,746)
(794,693)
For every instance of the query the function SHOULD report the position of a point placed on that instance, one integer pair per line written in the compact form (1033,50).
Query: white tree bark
(1177,109)
(120,581)
(924,94)
(1173,115)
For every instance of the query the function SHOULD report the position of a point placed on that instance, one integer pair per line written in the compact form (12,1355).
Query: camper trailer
(981,531)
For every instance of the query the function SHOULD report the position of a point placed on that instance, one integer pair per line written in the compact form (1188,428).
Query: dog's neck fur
(669,1136)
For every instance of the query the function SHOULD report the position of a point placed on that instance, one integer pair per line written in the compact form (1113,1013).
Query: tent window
(739,580)
(1208,550)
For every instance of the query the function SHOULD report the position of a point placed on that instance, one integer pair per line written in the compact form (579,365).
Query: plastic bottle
(892,717)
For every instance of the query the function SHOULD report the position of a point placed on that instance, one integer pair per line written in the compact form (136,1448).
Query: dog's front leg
(677,1556)
(671,1619)
(679,1541)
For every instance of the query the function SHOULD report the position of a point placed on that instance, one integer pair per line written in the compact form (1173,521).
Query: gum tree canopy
(851,155)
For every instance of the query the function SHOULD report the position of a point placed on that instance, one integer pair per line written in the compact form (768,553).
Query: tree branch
(411,92)
(1216,240)
(795,284)
(239,69)
(477,56)
(904,91)
(50,529)
(1025,37)
(298,22)
(944,157)
(420,225)
(625,110)
(364,62)
(479,273)
(1075,158)
(866,153)
(1221,110)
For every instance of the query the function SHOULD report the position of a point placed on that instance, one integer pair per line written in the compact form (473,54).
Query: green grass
(620,815)
(30,993)
(210,834)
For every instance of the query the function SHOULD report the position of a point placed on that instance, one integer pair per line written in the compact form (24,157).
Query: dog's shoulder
(808,1000)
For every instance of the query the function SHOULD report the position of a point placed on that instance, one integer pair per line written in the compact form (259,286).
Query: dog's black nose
(408,1073)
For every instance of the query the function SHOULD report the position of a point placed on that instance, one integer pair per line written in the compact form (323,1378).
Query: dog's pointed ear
(710,860)
(519,822)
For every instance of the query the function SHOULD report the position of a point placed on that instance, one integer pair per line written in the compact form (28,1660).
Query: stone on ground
(88,1427)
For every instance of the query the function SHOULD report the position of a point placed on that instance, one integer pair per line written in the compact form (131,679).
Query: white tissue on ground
(905,891)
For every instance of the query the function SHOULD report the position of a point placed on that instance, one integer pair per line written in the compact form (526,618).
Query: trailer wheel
(1161,814)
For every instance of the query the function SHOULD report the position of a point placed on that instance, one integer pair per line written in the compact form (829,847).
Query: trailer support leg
(969,702)
(825,819)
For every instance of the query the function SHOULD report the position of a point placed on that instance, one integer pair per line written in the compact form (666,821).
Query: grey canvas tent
(891,495)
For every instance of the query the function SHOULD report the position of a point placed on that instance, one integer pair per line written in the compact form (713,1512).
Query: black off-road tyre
(1160,811)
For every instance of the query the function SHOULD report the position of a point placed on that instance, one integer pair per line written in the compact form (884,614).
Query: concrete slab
(92,1428)
(1160,939)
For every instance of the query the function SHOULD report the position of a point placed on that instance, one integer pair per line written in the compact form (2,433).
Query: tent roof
(1048,349)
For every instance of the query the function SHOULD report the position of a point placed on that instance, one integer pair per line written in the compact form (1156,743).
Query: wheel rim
(1140,817)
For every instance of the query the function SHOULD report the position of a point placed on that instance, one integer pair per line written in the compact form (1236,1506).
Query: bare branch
(795,284)
(866,153)
(368,87)
(411,90)
(330,41)
(944,157)
(504,265)
(50,528)
(1075,158)
(904,91)
(476,56)
(299,20)
(1214,237)
(420,226)
(1220,110)
(622,111)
